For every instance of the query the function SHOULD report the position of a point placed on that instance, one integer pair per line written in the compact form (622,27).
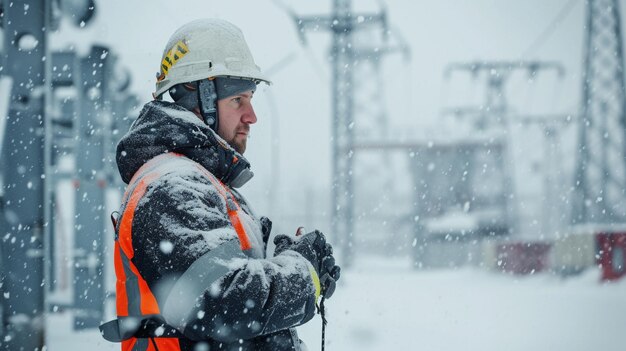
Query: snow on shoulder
(182,114)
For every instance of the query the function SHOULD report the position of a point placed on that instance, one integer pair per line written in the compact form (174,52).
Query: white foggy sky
(439,32)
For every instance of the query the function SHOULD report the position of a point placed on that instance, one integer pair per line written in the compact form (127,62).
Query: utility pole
(599,195)
(345,54)
(93,126)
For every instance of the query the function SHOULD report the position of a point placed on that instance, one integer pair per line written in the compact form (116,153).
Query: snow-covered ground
(382,304)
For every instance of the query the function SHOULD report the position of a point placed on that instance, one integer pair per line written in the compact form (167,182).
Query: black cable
(543,36)
(322,311)
(156,348)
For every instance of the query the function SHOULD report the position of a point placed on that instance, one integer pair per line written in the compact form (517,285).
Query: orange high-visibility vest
(133,296)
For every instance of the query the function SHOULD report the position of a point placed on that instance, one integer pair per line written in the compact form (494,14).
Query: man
(190,255)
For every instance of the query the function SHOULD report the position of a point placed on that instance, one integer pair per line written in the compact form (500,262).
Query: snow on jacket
(186,249)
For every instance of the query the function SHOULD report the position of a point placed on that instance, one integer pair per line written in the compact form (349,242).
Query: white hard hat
(206,48)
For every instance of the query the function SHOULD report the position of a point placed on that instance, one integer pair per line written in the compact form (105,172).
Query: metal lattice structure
(346,54)
(600,184)
(60,105)
(23,155)
(494,116)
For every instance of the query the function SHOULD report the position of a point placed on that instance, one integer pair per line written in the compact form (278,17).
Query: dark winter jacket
(184,245)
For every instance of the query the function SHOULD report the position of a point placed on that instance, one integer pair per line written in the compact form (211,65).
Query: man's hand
(318,252)
(328,280)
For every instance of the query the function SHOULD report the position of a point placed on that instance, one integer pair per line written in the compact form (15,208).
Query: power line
(552,26)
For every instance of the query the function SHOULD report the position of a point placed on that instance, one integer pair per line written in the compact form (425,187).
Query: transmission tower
(494,116)
(601,171)
(347,54)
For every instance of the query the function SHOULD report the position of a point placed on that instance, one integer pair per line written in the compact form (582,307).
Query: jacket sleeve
(189,254)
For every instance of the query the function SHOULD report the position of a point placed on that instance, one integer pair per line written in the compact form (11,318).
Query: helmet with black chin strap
(206,60)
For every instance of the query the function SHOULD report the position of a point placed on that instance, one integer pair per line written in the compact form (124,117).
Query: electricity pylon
(600,184)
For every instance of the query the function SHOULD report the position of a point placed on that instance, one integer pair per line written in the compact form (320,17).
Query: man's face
(235,117)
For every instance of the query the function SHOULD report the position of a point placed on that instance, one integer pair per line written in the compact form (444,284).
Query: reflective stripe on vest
(133,295)
(203,272)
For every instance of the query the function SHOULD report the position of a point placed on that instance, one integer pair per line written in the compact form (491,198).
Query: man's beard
(239,146)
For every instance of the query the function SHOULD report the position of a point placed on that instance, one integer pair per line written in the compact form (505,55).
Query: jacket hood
(164,127)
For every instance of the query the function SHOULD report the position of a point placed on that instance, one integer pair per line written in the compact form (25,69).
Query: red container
(523,258)
(612,255)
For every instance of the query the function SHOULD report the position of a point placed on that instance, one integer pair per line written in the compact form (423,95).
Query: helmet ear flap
(178,92)
(207,99)
(185,95)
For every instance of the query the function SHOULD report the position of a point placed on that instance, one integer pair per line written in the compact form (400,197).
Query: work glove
(328,280)
(318,252)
